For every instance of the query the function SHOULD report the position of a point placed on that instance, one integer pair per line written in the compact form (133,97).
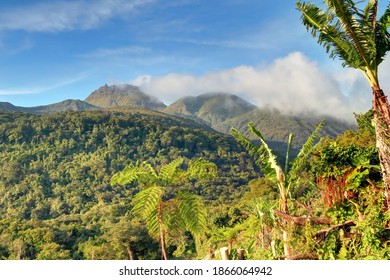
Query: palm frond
(344,30)
(359,30)
(382,36)
(193,212)
(169,172)
(328,33)
(140,172)
(263,155)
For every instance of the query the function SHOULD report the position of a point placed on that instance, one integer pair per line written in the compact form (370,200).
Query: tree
(167,215)
(285,177)
(361,41)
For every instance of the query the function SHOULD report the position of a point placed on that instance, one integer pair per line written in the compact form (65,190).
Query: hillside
(212,108)
(123,96)
(55,169)
(6,106)
(220,111)
(63,106)
(223,111)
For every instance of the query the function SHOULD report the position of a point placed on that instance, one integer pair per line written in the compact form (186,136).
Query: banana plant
(283,178)
(267,160)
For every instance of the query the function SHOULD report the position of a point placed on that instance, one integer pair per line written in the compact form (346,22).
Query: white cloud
(292,84)
(65,15)
(43,88)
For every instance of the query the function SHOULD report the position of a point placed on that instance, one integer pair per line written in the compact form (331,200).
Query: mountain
(122,96)
(219,111)
(211,108)
(223,111)
(63,106)
(6,106)
(276,126)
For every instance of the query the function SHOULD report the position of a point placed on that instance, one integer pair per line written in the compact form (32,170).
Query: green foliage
(193,212)
(266,158)
(169,217)
(354,35)
(57,169)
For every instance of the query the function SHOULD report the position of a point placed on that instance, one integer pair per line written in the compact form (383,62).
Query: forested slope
(55,171)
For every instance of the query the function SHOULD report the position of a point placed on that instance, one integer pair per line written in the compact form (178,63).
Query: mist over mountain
(212,108)
(218,111)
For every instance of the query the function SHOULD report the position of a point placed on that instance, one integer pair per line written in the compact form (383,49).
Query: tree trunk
(130,252)
(224,253)
(283,207)
(381,110)
(162,241)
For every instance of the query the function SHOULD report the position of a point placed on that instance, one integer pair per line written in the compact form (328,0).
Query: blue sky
(54,50)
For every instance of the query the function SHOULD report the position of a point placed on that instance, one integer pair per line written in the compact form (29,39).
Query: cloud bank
(66,15)
(293,84)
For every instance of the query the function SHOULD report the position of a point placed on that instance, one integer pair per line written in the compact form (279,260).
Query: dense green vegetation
(56,200)
(87,185)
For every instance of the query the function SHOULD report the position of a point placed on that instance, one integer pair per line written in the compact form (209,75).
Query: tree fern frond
(193,212)
(143,172)
(153,224)
(172,219)
(169,172)
(147,201)
(201,169)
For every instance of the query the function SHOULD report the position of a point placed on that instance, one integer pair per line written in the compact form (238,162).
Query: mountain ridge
(217,110)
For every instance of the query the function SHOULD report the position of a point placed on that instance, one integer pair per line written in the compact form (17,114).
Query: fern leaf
(143,172)
(329,35)
(169,172)
(147,201)
(201,169)
(193,212)
(153,224)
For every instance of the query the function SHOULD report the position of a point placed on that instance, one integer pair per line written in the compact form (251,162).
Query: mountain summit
(122,96)
(212,108)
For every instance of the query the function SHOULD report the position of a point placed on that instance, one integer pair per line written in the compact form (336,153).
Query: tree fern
(167,220)
(140,172)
